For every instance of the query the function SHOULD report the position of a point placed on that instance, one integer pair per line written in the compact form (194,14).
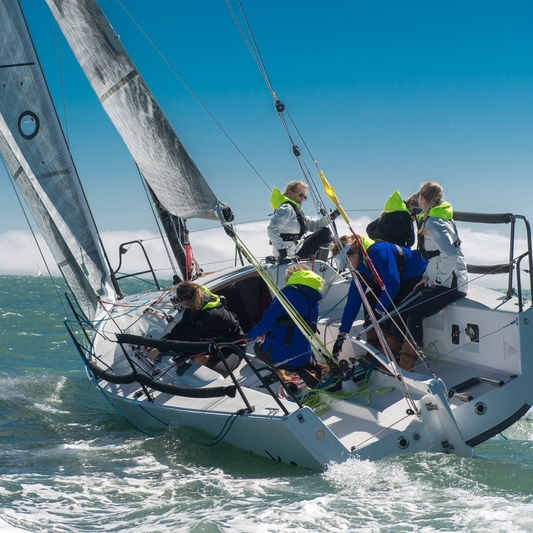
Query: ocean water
(70,463)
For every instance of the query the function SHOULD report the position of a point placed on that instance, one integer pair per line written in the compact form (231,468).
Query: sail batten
(154,145)
(34,148)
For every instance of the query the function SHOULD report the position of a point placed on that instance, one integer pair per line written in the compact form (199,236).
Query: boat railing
(123,248)
(266,380)
(514,262)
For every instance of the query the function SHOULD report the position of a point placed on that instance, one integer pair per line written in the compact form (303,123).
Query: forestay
(35,150)
(149,136)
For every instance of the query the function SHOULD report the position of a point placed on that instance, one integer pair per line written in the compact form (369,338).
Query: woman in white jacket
(445,278)
(289,224)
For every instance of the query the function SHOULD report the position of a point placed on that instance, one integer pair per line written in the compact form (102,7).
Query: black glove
(283,259)
(337,347)
(334,214)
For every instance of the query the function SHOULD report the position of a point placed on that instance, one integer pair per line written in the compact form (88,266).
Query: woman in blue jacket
(400,269)
(283,341)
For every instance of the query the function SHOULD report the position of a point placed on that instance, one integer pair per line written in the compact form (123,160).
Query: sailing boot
(395,345)
(372,339)
(408,356)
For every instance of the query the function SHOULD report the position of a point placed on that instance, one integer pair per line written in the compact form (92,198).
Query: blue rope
(329,311)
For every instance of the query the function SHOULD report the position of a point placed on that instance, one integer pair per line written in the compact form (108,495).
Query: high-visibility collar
(276,199)
(210,305)
(367,242)
(306,277)
(395,203)
(443,210)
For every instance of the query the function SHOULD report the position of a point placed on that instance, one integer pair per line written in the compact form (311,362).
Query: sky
(385,94)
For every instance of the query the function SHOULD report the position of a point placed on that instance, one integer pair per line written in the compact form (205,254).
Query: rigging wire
(11,179)
(194,96)
(156,218)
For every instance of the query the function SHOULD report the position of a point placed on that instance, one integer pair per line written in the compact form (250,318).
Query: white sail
(36,153)
(149,136)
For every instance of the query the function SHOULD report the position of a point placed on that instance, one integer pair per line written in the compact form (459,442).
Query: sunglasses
(302,195)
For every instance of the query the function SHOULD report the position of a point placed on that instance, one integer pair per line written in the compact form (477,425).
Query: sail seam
(17,65)
(126,79)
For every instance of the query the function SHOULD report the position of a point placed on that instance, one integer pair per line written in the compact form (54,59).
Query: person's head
(412,201)
(189,295)
(430,195)
(334,247)
(354,254)
(297,268)
(294,268)
(297,190)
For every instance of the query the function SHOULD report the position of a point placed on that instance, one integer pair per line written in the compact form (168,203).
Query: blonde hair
(295,186)
(296,268)
(434,195)
(334,247)
(190,292)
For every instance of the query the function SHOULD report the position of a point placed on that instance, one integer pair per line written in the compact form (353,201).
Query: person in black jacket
(205,318)
(395,225)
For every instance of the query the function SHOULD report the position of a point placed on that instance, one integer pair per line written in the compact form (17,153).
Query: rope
(302,325)
(33,234)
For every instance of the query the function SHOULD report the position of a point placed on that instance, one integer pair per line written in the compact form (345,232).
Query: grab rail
(514,263)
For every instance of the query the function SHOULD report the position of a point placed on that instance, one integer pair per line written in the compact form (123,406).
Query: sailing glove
(283,259)
(337,347)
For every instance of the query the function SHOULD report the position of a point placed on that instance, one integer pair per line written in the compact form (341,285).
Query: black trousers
(430,303)
(313,242)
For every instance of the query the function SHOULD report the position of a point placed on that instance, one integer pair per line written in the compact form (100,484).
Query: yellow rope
(302,325)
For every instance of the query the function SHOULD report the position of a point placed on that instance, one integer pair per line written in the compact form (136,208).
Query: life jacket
(213,301)
(395,203)
(277,199)
(400,256)
(301,281)
(444,211)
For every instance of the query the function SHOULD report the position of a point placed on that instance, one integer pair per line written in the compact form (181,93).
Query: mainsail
(37,155)
(165,163)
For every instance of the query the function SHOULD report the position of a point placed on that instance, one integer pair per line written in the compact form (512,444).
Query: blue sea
(70,463)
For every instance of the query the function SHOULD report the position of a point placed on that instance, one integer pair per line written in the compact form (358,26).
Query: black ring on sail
(34,117)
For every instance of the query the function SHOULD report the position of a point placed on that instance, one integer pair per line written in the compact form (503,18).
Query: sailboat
(475,383)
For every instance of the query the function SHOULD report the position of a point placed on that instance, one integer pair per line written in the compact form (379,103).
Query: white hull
(348,427)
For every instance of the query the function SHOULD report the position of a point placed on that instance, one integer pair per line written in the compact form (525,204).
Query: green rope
(320,400)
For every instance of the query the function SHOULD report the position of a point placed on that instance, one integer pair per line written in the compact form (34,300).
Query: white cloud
(214,250)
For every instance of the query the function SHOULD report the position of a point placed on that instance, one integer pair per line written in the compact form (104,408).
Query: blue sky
(386,95)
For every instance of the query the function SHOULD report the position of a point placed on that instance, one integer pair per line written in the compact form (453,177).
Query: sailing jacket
(289,224)
(394,225)
(384,258)
(213,322)
(285,342)
(447,267)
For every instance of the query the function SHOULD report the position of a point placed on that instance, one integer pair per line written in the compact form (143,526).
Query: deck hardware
(472,332)
(416,436)
(432,407)
(480,408)
(447,445)
(525,321)
(402,442)
(456,331)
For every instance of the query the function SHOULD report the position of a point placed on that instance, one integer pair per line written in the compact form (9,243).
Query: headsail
(35,150)
(165,163)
